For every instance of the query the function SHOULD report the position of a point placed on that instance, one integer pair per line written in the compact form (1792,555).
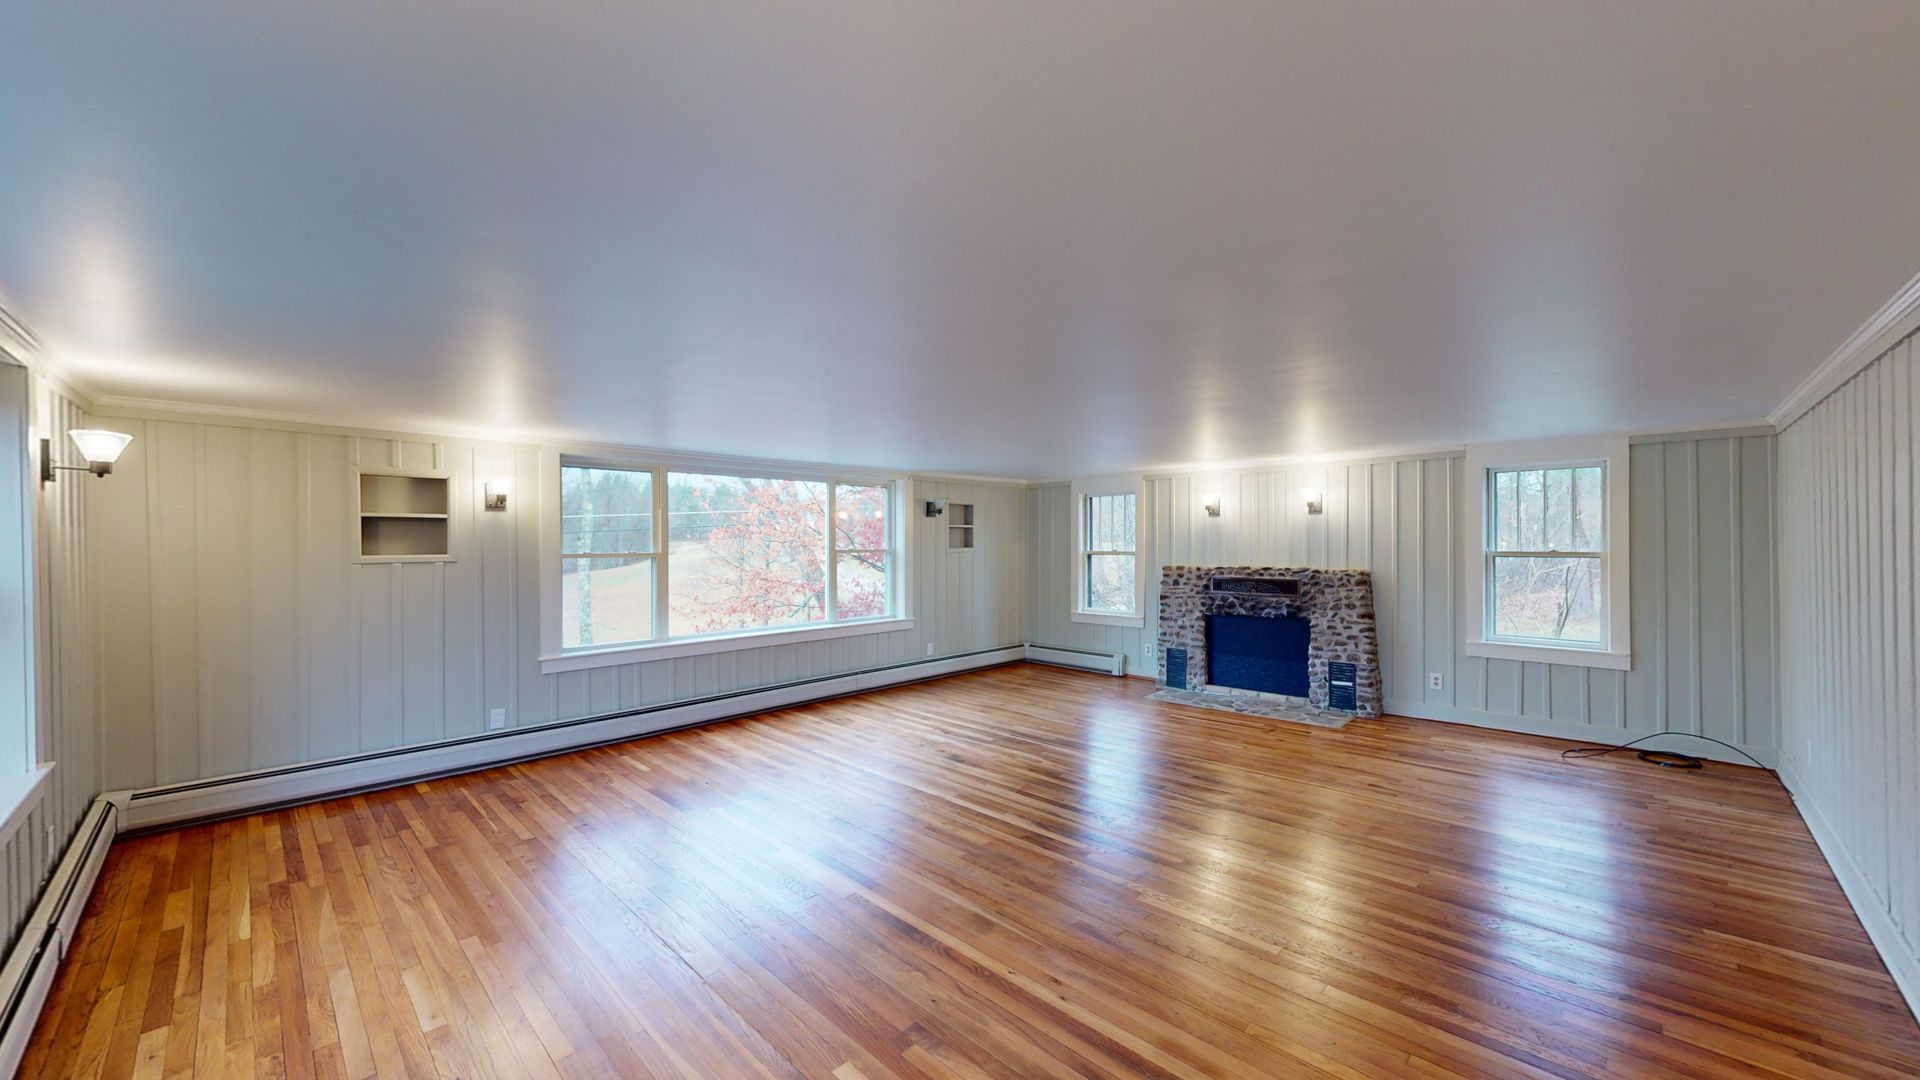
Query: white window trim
(1615,651)
(24,778)
(1109,485)
(555,658)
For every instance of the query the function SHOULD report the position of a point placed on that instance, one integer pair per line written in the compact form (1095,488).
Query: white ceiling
(994,237)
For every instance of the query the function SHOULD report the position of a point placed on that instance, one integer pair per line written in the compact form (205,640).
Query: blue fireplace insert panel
(1249,653)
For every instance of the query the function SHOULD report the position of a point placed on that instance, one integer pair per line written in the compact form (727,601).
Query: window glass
(1547,560)
(1110,583)
(1109,554)
(733,553)
(605,601)
(744,553)
(605,511)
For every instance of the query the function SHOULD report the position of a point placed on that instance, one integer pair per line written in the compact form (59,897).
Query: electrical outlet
(496,719)
(929,648)
(1434,681)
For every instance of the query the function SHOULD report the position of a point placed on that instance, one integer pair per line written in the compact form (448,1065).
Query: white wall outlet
(1434,681)
(929,648)
(496,719)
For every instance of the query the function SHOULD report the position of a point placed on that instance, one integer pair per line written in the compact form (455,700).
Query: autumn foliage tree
(765,546)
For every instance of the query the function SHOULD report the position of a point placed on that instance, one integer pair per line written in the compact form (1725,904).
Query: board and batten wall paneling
(1850,642)
(65,662)
(245,636)
(1702,605)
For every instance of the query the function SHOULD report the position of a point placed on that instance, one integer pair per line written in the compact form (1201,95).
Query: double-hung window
(1107,579)
(1553,560)
(1546,566)
(608,557)
(651,555)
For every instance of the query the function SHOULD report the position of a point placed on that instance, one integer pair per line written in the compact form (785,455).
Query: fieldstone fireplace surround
(1337,604)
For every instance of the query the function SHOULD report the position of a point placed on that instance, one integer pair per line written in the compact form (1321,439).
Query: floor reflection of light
(1553,867)
(1117,753)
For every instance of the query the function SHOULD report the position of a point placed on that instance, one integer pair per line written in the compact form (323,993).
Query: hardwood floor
(1024,872)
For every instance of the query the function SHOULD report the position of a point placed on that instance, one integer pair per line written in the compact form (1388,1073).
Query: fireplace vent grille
(1177,668)
(1340,685)
(1256,586)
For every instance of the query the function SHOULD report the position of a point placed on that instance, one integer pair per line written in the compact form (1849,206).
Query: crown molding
(977,478)
(19,344)
(17,341)
(138,408)
(141,408)
(1888,327)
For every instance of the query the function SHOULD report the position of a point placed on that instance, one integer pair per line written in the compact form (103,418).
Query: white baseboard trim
(1568,729)
(1894,951)
(42,943)
(1085,659)
(224,796)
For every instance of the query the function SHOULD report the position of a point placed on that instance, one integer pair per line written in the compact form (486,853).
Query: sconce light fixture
(936,507)
(1314,503)
(1210,503)
(498,489)
(100,447)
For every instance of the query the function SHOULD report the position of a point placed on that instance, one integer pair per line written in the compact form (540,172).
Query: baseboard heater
(1085,659)
(48,934)
(251,792)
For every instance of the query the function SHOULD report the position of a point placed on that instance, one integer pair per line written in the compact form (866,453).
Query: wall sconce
(100,447)
(498,489)
(1314,503)
(1210,503)
(936,507)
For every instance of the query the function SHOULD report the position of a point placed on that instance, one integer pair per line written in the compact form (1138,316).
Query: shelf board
(407,517)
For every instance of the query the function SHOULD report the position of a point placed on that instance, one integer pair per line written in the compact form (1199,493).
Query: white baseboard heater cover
(249,792)
(1085,659)
(48,934)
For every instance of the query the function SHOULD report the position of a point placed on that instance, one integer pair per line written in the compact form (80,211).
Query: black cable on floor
(1667,759)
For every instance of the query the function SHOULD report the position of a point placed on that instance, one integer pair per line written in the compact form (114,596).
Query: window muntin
(1547,555)
(1110,554)
(708,553)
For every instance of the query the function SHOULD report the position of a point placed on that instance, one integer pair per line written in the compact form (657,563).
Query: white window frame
(1084,490)
(24,778)
(555,657)
(1614,649)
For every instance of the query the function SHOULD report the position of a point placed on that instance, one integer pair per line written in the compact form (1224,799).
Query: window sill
(1101,618)
(1550,654)
(20,797)
(747,639)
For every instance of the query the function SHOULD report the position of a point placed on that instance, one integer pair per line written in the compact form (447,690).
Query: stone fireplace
(1342,649)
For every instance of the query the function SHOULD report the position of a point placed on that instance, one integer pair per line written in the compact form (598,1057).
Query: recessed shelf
(403,517)
(959,526)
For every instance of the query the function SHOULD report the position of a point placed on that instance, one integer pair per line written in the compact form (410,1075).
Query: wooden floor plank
(1024,872)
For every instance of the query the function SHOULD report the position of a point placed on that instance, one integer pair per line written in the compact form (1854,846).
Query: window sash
(660,561)
(1492,552)
(1088,553)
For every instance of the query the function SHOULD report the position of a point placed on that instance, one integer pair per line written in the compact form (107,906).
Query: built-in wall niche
(959,526)
(403,517)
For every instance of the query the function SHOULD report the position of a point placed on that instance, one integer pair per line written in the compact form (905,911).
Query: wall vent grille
(1340,685)
(1177,668)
